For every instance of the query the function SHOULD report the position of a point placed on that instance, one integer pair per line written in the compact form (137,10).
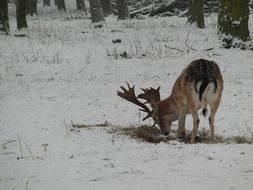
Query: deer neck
(168,108)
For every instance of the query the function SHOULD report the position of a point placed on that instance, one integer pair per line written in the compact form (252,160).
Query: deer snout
(164,130)
(165,127)
(166,133)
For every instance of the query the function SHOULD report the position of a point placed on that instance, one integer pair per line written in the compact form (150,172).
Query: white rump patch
(209,96)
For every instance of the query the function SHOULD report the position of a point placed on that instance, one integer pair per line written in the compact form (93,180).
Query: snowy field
(66,71)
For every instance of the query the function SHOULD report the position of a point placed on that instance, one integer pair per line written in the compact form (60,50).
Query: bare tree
(31,7)
(60,4)
(122,9)
(233,21)
(96,11)
(4,19)
(80,5)
(21,14)
(196,13)
(106,7)
(46,3)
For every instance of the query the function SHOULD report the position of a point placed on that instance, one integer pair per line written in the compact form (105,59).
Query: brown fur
(183,100)
(200,84)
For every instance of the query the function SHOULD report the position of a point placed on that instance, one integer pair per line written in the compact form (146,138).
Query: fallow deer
(200,84)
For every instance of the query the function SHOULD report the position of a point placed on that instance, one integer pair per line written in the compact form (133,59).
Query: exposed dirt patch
(154,135)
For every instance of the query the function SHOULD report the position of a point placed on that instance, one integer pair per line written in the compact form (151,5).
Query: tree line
(233,15)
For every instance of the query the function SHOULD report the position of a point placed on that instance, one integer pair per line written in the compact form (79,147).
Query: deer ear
(154,106)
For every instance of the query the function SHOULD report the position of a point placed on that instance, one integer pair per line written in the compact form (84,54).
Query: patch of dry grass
(154,135)
(239,140)
(144,133)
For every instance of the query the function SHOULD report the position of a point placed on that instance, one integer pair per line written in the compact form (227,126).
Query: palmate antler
(130,96)
(148,95)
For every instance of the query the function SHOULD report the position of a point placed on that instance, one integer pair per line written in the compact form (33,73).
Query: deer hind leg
(214,107)
(193,108)
(213,111)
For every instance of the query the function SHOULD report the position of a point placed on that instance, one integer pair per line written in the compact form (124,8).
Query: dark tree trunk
(46,3)
(122,9)
(233,21)
(21,14)
(31,7)
(4,19)
(196,13)
(96,11)
(106,7)
(60,4)
(80,5)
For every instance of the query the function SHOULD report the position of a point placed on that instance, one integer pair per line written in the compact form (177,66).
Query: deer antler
(130,96)
(150,94)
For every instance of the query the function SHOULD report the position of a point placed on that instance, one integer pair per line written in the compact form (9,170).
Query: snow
(65,70)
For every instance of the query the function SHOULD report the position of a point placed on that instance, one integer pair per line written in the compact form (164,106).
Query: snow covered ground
(65,70)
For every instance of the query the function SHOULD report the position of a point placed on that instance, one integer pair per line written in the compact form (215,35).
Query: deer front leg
(181,127)
(195,126)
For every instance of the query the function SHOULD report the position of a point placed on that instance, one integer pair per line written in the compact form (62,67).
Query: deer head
(159,109)
(152,96)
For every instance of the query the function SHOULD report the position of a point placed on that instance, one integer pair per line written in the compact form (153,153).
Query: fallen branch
(209,49)
(172,48)
(216,54)
(115,30)
(4,144)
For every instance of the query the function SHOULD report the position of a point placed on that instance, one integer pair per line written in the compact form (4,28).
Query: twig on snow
(209,49)
(4,144)
(216,54)
(27,147)
(248,128)
(20,141)
(26,185)
(115,30)
(20,147)
(66,126)
(185,42)
(45,147)
(238,128)
(172,48)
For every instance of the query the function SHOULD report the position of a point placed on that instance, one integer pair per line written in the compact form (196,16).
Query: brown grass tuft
(153,135)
